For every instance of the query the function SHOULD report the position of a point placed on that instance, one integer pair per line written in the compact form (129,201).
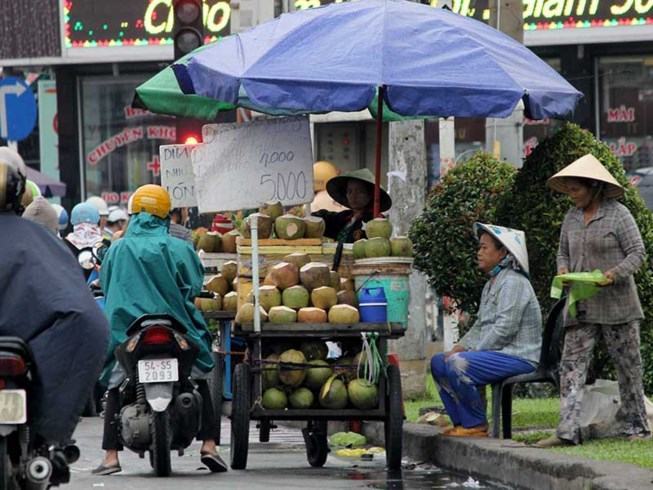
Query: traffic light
(188,33)
(189,131)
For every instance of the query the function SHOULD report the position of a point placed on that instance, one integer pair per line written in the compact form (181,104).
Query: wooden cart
(247,392)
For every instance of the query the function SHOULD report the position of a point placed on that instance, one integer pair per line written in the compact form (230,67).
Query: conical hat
(586,167)
(513,240)
(337,187)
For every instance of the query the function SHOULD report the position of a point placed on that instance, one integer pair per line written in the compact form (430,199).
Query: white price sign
(241,166)
(177,174)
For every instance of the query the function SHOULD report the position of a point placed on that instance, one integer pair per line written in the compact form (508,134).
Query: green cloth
(150,272)
(584,285)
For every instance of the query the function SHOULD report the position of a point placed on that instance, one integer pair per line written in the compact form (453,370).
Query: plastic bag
(584,285)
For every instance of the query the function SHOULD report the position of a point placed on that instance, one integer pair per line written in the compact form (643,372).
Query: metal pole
(379,146)
(253,223)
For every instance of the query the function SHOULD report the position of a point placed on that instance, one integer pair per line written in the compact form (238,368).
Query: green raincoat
(149,272)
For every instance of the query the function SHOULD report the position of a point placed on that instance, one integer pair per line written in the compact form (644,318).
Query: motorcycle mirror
(86,259)
(100,251)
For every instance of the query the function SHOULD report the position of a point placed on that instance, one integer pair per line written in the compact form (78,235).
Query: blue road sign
(17,109)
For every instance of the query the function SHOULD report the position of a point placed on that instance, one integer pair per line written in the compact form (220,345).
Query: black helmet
(12,180)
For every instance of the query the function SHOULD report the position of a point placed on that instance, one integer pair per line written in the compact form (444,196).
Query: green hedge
(443,239)
(532,207)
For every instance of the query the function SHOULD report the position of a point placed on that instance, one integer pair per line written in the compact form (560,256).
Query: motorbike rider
(147,272)
(103,210)
(86,233)
(45,302)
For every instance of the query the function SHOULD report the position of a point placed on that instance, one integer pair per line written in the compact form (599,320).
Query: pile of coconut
(379,244)
(273,223)
(302,377)
(222,289)
(299,290)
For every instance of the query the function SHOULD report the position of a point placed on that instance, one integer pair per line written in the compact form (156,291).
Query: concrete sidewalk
(519,465)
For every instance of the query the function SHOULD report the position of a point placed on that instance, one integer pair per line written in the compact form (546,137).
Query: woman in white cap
(600,233)
(504,341)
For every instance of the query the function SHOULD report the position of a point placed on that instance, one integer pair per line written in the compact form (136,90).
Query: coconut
(301,398)
(230,301)
(346,284)
(359,249)
(343,314)
(270,371)
(314,350)
(315,275)
(311,315)
(246,314)
(324,297)
(347,298)
(377,247)
(363,394)
(218,284)
(344,367)
(300,259)
(210,242)
(229,270)
(289,227)
(334,280)
(269,297)
(378,228)
(265,224)
(333,394)
(295,297)
(314,227)
(282,315)
(234,285)
(274,399)
(273,209)
(284,275)
(401,246)
(229,242)
(287,374)
(318,375)
(209,304)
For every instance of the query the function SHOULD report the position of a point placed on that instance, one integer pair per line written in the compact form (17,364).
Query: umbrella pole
(379,147)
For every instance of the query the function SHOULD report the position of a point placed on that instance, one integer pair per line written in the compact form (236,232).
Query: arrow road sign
(17,109)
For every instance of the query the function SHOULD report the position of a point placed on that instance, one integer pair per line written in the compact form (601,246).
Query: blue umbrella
(415,59)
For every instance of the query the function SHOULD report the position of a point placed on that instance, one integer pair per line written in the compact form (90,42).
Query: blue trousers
(459,376)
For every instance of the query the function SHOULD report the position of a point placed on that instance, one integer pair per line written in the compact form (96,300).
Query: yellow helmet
(323,171)
(152,199)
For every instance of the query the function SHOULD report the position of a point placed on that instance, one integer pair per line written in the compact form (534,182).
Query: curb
(521,466)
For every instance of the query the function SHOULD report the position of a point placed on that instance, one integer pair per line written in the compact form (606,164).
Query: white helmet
(99,204)
(117,215)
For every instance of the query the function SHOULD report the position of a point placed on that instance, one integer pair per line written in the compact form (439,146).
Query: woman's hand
(455,349)
(609,279)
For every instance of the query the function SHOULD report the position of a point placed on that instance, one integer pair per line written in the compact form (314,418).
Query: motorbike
(25,463)
(160,405)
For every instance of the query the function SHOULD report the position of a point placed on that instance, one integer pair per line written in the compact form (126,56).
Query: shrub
(532,207)
(443,239)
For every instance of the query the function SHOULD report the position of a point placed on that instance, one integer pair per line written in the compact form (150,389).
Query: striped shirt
(509,318)
(610,241)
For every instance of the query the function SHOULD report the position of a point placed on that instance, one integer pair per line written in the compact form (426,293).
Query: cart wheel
(264,431)
(317,447)
(394,421)
(216,388)
(240,417)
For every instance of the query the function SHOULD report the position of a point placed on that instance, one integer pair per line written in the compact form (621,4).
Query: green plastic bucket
(392,274)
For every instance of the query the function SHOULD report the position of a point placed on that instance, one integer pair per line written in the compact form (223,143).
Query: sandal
(103,470)
(213,462)
(480,431)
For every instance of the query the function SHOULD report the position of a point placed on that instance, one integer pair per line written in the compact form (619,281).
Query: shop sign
(116,198)
(623,148)
(548,14)
(621,114)
(48,128)
(128,136)
(241,166)
(103,23)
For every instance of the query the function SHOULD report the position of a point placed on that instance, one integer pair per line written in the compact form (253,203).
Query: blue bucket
(373,305)
(393,277)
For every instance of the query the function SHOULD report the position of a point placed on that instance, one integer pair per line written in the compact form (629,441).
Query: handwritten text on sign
(177,174)
(241,166)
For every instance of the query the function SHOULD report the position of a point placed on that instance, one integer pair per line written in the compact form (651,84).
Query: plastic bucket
(393,276)
(372,305)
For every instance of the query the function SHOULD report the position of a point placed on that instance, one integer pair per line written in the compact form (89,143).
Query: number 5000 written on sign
(283,187)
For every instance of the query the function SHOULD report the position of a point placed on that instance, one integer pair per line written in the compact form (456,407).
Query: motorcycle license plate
(13,407)
(158,370)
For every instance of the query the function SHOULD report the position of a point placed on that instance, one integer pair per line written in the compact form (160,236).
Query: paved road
(279,464)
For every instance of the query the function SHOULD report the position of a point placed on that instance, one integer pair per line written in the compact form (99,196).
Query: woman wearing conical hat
(598,232)
(355,191)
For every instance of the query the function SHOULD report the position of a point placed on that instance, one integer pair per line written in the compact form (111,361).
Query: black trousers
(111,437)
